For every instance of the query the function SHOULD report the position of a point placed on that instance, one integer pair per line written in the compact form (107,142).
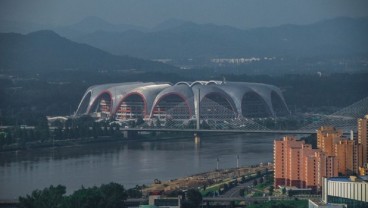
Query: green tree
(194,197)
(269,178)
(283,190)
(114,194)
(134,192)
(42,128)
(226,187)
(242,192)
(261,180)
(139,121)
(85,197)
(110,195)
(290,193)
(242,179)
(176,193)
(271,189)
(47,198)
(255,182)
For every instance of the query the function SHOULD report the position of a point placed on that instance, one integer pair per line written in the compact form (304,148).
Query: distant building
(296,164)
(351,191)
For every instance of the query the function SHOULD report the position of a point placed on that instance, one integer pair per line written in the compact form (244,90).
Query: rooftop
(340,179)
(349,179)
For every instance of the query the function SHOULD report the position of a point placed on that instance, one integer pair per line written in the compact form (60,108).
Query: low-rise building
(157,200)
(352,191)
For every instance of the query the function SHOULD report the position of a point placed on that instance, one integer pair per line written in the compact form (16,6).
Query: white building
(351,191)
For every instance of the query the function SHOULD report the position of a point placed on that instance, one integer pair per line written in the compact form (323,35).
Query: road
(234,192)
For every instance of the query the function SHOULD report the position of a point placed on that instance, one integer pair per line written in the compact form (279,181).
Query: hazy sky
(239,13)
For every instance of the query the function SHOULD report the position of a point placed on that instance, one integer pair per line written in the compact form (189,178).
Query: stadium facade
(217,100)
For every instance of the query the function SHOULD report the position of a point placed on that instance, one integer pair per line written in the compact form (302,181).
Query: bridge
(344,119)
(220,131)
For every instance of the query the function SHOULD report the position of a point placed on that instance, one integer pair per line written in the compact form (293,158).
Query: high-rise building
(316,166)
(297,164)
(349,155)
(363,136)
(281,159)
(327,137)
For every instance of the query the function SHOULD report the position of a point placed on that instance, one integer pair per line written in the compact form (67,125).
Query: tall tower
(363,136)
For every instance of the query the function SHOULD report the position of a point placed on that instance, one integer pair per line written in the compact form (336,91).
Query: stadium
(210,100)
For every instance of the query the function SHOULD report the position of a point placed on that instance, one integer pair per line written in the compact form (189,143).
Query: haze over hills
(47,51)
(179,39)
(92,24)
(7,26)
(339,36)
(190,45)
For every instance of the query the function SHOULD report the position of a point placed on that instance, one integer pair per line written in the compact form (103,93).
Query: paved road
(234,192)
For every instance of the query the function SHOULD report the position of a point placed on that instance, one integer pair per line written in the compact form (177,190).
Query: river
(128,163)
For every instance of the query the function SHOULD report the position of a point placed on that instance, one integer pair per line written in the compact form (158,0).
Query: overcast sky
(239,13)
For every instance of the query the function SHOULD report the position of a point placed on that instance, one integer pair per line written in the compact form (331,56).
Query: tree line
(112,195)
(73,128)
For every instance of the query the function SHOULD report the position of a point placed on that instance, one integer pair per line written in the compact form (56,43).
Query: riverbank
(100,139)
(84,141)
(211,181)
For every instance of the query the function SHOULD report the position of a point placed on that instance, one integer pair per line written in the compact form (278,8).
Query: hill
(339,36)
(46,50)
(92,24)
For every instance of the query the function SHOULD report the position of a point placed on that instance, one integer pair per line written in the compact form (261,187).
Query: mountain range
(46,50)
(180,39)
(95,44)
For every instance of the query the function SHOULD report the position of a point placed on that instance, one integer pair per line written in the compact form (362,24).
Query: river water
(127,163)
